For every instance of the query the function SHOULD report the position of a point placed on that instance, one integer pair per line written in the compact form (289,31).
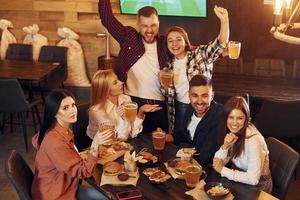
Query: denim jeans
(89,193)
(180,109)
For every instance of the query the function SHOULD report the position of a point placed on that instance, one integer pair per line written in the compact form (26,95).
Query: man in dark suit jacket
(201,121)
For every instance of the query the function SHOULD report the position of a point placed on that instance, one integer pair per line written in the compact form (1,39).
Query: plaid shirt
(199,61)
(131,41)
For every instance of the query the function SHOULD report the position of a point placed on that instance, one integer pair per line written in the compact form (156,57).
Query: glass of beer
(108,125)
(234,49)
(130,112)
(192,175)
(159,140)
(166,77)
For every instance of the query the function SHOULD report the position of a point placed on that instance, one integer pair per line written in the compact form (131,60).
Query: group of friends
(223,135)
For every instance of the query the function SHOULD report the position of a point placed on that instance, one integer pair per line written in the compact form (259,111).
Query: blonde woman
(106,106)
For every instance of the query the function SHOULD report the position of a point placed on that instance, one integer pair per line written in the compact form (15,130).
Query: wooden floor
(9,141)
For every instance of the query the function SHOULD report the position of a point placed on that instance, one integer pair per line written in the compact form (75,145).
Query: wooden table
(174,189)
(26,70)
(284,89)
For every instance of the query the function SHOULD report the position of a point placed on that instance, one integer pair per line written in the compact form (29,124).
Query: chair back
(19,174)
(55,54)
(283,162)
(81,139)
(296,68)
(12,98)
(227,65)
(19,52)
(269,67)
(279,118)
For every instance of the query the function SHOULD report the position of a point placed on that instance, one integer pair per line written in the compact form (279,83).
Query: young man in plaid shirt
(142,54)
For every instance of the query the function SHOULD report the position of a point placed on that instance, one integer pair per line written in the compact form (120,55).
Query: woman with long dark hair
(58,165)
(244,146)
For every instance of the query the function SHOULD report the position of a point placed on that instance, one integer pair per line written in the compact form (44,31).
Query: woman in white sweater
(106,106)
(244,146)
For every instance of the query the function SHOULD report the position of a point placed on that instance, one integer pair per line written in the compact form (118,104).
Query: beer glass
(234,49)
(192,175)
(166,77)
(130,112)
(159,140)
(108,125)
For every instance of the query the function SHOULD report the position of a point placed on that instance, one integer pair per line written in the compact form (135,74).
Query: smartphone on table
(129,194)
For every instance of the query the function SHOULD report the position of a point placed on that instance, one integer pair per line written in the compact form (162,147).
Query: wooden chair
(269,67)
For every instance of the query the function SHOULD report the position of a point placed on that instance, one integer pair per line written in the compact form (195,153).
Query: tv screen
(188,8)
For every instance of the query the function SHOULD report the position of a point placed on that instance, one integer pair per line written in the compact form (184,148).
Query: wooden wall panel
(250,22)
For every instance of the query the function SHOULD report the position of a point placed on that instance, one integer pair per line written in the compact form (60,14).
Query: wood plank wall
(250,21)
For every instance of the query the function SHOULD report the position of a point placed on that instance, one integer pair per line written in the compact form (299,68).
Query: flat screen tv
(186,8)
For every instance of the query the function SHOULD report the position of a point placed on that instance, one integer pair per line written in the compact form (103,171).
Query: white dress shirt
(122,126)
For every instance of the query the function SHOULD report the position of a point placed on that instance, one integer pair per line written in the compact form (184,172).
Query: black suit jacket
(206,134)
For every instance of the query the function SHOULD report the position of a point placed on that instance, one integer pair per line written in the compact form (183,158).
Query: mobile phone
(130,194)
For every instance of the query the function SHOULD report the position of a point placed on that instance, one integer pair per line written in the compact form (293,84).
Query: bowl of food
(112,168)
(216,190)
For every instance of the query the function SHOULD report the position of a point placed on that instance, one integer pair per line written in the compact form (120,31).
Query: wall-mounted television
(186,8)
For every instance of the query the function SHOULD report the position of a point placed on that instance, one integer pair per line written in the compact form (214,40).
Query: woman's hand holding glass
(218,165)
(102,138)
(229,140)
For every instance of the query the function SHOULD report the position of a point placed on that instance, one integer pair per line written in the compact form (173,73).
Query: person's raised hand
(221,13)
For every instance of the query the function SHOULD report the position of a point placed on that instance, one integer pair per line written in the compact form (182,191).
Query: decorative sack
(7,37)
(35,39)
(77,75)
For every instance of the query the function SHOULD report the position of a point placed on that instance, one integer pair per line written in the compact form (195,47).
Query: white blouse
(254,160)
(122,126)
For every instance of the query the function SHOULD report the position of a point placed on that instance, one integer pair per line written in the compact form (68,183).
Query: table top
(26,70)
(174,189)
(278,88)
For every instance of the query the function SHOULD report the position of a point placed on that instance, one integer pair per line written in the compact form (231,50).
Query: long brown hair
(239,103)
(101,82)
(184,34)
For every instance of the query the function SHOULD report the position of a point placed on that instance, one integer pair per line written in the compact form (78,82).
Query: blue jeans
(88,193)
(180,109)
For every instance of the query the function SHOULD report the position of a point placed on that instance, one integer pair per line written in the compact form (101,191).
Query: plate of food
(216,190)
(179,165)
(148,159)
(155,175)
(112,168)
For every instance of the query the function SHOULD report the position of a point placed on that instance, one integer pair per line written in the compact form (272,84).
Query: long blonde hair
(101,82)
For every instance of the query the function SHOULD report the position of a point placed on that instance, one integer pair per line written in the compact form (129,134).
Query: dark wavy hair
(239,103)
(51,107)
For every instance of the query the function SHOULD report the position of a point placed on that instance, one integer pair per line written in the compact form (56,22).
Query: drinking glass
(234,49)
(130,112)
(165,77)
(159,140)
(192,175)
(108,125)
